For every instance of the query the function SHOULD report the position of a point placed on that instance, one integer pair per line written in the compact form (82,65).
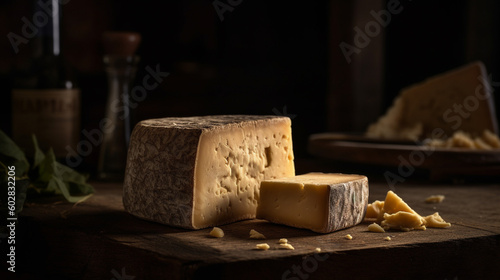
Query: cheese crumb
(217,232)
(262,246)
(287,246)
(256,235)
(283,241)
(436,221)
(387,238)
(434,199)
(348,237)
(375,228)
(404,221)
(317,250)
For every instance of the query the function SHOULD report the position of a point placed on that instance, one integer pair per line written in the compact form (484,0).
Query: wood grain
(97,237)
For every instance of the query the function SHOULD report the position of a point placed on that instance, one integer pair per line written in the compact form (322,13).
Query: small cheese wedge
(320,202)
(198,172)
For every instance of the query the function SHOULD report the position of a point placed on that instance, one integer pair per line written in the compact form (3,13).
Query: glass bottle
(45,101)
(120,65)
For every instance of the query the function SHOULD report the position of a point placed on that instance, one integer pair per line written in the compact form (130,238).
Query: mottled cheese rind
(320,202)
(198,172)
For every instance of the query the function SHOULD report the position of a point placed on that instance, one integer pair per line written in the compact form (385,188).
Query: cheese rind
(317,201)
(198,172)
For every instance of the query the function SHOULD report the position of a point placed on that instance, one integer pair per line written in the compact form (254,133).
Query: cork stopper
(121,43)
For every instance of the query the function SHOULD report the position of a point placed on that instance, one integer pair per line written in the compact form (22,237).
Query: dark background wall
(264,57)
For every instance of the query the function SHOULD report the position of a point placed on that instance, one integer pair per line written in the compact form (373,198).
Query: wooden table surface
(97,239)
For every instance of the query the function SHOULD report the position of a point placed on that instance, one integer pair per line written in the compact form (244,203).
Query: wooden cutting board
(97,239)
(441,162)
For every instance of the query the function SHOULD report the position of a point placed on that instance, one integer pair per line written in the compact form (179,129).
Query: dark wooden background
(264,57)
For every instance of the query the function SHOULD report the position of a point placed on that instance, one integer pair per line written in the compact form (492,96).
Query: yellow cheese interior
(393,203)
(230,165)
(301,201)
(394,213)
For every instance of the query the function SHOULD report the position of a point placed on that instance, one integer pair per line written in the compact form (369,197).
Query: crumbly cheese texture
(321,202)
(460,97)
(198,172)
(460,139)
(394,213)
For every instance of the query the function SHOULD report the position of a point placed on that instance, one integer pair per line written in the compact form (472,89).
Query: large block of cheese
(198,172)
(460,99)
(320,202)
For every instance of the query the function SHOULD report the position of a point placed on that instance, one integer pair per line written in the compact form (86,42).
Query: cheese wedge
(317,201)
(460,99)
(198,172)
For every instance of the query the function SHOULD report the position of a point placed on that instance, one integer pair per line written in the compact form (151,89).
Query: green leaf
(60,179)
(12,155)
(39,155)
(46,175)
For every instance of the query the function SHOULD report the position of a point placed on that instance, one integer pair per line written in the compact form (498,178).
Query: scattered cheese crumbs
(262,246)
(487,141)
(375,228)
(287,246)
(317,250)
(283,241)
(387,238)
(434,199)
(217,232)
(394,213)
(256,235)
(348,237)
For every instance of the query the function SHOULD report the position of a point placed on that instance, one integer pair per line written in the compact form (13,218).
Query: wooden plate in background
(442,162)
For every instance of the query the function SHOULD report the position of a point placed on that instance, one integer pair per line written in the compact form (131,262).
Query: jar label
(53,115)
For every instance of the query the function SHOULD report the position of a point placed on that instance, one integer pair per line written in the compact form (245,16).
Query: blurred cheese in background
(460,99)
